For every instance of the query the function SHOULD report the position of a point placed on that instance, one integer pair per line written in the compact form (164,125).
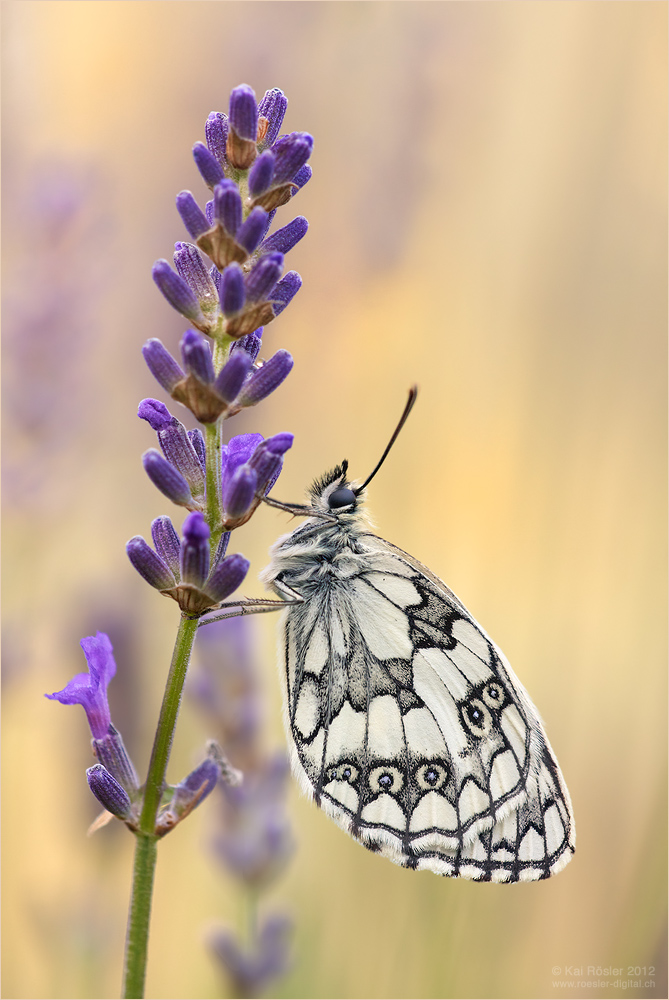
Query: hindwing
(412,732)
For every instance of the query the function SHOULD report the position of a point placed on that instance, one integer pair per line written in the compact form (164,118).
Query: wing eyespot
(477,717)
(386,779)
(432,776)
(493,694)
(343,772)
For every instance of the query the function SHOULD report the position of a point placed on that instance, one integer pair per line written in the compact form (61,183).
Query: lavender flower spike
(90,690)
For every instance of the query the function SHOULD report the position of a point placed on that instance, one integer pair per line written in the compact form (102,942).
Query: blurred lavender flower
(55,226)
(254,841)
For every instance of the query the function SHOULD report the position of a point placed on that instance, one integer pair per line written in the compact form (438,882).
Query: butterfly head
(333,493)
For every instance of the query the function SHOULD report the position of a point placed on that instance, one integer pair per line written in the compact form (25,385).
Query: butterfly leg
(257,605)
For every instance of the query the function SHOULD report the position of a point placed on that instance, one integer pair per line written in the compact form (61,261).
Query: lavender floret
(108,791)
(286,238)
(285,290)
(207,164)
(228,206)
(264,277)
(233,290)
(167,479)
(191,214)
(252,229)
(251,344)
(196,438)
(196,355)
(240,492)
(273,108)
(291,154)
(149,564)
(266,379)
(90,689)
(195,550)
(244,112)
(162,365)
(216,134)
(232,375)
(227,576)
(167,544)
(179,295)
(261,174)
(191,266)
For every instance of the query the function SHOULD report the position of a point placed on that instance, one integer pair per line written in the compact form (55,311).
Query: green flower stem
(212,442)
(145,846)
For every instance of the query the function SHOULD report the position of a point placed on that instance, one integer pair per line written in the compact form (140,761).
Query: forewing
(411,730)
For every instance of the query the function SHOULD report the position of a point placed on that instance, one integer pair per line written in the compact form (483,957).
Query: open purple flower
(90,690)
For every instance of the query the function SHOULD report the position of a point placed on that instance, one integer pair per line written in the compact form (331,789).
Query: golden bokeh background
(487,219)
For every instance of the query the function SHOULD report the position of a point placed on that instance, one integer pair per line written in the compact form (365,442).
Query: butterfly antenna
(413,392)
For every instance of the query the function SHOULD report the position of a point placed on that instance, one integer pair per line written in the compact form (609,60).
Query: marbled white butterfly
(407,725)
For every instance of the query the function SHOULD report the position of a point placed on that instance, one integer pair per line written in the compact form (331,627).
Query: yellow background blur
(487,219)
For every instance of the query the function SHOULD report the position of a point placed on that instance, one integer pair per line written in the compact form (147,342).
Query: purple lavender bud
(216,134)
(149,564)
(110,751)
(285,239)
(279,444)
(207,774)
(179,451)
(239,492)
(167,544)
(228,206)
(155,413)
(191,214)
(197,440)
(108,791)
(207,164)
(233,290)
(209,212)
(291,154)
(264,276)
(302,176)
(195,549)
(196,355)
(90,690)
(273,108)
(244,112)
(179,295)
(265,380)
(168,480)
(251,344)
(252,229)
(267,468)
(284,291)
(191,266)
(227,575)
(261,174)
(231,377)
(161,364)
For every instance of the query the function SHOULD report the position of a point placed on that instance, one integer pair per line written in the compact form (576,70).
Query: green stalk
(145,846)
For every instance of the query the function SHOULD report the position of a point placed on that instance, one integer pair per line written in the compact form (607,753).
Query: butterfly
(407,725)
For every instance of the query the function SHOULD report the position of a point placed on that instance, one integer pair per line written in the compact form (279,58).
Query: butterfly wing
(412,732)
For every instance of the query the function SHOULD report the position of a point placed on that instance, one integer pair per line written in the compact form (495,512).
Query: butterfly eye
(386,779)
(431,776)
(493,694)
(341,498)
(477,717)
